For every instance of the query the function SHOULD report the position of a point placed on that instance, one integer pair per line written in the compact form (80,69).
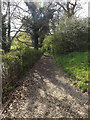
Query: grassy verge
(76,65)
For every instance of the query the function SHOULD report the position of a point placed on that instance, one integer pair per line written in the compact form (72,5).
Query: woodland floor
(46,92)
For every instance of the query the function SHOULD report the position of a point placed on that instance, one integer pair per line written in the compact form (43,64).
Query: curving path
(47,93)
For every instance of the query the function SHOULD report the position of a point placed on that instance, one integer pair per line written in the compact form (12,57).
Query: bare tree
(70,8)
(38,23)
(8,14)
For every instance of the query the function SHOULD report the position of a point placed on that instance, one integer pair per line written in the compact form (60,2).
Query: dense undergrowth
(76,65)
(16,63)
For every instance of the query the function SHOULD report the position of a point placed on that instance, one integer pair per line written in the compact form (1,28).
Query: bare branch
(62,6)
(17,32)
(27,43)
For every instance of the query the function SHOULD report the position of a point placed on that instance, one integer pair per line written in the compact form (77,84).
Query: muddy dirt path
(47,93)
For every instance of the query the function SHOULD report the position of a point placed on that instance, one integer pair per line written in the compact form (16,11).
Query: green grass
(76,65)
(5,90)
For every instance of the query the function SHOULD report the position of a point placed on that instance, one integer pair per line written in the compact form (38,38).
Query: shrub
(17,62)
(71,35)
(47,44)
(24,41)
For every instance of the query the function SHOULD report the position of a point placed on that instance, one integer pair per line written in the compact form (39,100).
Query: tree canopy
(36,21)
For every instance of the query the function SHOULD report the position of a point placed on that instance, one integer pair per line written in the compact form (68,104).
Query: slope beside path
(47,93)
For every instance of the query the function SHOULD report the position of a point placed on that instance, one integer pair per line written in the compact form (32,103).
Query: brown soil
(46,93)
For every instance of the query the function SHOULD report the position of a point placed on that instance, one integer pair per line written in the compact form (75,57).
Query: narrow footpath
(46,92)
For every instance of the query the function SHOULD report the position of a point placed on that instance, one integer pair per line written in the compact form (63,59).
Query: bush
(15,63)
(24,41)
(47,45)
(71,35)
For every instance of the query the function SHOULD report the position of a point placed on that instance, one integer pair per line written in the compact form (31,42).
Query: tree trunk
(36,42)
(9,28)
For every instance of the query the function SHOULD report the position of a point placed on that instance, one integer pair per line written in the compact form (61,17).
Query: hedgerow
(16,63)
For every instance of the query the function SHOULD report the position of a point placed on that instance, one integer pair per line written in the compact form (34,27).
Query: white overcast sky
(81,13)
(84,12)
